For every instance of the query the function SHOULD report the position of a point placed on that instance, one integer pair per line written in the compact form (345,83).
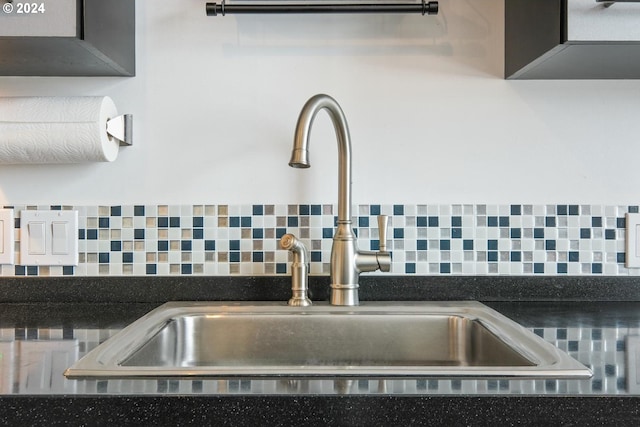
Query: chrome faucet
(347,261)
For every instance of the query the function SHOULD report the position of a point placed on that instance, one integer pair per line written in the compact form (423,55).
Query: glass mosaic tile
(484,239)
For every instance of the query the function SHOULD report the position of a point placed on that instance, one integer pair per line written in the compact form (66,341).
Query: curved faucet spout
(347,262)
(300,153)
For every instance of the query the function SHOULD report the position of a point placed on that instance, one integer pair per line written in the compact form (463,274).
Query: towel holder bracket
(121,128)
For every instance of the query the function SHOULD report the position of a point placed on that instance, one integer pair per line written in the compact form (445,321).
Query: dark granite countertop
(41,336)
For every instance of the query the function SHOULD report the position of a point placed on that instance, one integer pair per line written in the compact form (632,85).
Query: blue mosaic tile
(482,239)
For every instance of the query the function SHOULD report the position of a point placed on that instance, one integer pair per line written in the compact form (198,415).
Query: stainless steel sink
(195,339)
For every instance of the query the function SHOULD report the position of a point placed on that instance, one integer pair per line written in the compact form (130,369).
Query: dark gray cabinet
(572,39)
(67,38)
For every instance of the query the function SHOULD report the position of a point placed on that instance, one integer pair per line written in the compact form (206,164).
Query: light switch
(6,236)
(59,244)
(36,236)
(49,237)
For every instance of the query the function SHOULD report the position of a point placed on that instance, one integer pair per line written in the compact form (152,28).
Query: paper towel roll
(56,130)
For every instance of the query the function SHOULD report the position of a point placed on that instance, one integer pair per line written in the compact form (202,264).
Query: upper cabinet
(572,39)
(67,38)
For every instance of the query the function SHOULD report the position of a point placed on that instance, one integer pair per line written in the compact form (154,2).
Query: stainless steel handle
(424,8)
(383,221)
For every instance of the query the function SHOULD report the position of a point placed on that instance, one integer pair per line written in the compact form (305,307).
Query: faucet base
(344,295)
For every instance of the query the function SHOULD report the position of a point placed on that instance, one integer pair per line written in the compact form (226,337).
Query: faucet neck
(301,144)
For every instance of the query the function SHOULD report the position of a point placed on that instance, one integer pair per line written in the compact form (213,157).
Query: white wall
(215,102)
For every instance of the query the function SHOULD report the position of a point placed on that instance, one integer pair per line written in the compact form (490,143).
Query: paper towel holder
(121,128)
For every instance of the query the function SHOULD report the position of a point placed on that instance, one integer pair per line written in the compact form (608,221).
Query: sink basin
(424,339)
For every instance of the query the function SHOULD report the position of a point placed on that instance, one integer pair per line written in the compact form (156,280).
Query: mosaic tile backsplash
(463,239)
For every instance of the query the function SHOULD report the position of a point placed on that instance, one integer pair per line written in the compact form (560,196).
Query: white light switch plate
(632,250)
(6,236)
(49,237)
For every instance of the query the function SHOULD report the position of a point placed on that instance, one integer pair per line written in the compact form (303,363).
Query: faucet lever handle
(383,220)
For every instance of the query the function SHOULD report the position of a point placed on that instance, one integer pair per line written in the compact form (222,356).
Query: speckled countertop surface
(41,338)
